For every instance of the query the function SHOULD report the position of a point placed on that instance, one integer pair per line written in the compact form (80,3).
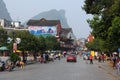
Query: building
(90,38)
(67,38)
(15,24)
(52,28)
(44,27)
(47,28)
(4,23)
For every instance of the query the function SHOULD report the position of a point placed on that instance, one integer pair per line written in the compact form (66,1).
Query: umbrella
(18,51)
(3,48)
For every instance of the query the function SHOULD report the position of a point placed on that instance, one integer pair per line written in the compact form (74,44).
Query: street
(58,70)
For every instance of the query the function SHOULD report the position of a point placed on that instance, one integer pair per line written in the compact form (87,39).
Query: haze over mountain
(4,12)
(53,15)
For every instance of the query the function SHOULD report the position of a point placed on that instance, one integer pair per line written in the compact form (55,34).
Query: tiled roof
(43,22)
(65,31)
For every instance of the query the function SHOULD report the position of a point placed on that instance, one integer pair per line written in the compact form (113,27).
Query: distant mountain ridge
(53,15)
(4,12)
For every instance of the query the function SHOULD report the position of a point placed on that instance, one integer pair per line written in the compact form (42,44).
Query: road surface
(58,70)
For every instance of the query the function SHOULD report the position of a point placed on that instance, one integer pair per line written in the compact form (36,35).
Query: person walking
(47,58)
(91,59)
(99,58)
(103,57)
(59,56)
(114,61)
(44,57)
(86,58)
(118,67)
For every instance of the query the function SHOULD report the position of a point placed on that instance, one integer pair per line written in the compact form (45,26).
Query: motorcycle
(10,66)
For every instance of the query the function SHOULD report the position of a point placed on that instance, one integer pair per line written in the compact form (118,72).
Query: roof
(43,22)
(65,31)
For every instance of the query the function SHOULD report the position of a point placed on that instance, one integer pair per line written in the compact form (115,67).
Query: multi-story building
(67,38)
(44,27)
(5,23)
(52,28)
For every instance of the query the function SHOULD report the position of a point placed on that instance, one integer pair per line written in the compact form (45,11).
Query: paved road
(59,70)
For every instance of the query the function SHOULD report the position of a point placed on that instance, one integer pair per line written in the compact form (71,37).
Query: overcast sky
(23,10)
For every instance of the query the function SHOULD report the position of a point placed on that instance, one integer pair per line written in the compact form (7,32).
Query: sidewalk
(107,68)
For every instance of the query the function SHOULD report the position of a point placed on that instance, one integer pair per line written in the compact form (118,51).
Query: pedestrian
(91,59)
(52,57)
(114,61)
(18,64)
(86,58)
(22,64)
(99,58)
(64,53)
(59,56)
(118,67)
(41,59)
(44,57)
(47,58)
(103,57)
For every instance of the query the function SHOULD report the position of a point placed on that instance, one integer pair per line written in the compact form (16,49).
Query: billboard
(43,30)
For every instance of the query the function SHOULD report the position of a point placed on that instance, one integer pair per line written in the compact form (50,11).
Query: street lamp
(13,35)
(14,43)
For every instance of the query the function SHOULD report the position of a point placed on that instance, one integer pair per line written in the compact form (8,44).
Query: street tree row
(105,24)
(29,42)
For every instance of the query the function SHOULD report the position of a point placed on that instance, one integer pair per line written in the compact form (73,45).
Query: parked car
(71,58)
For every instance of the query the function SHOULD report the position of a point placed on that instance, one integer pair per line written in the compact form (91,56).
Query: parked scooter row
(6,66)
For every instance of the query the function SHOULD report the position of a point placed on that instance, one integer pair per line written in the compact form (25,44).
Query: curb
(107,68)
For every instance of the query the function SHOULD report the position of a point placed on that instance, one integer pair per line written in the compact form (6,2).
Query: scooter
(10,67)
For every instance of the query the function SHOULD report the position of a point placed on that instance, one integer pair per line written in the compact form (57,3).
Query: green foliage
(1,27)
(3,37)
(114,33)
(42,43)
(96,26)
(96,6)
(105,24)
(29,42)
(52,43)
(95,45)
(14,57)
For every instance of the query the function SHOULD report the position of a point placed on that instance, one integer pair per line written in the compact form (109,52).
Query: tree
(96,26)
(97,45)
(3,37)
(42,44)
(114,33)
(14,57)
(102,24)
(52,43)
(28,42)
